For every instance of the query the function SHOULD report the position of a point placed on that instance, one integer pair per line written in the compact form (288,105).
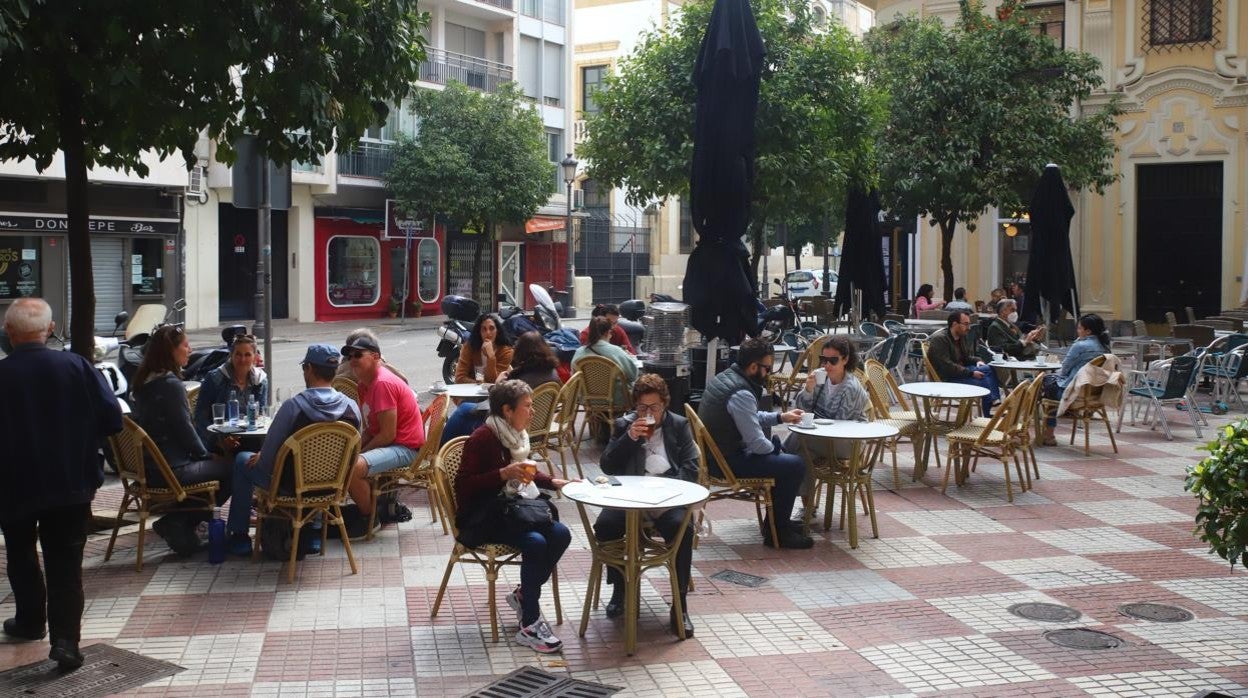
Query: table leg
(925,416)
(632,581)
(851,492)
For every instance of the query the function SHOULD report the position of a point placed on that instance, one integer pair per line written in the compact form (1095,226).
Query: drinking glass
(218,413)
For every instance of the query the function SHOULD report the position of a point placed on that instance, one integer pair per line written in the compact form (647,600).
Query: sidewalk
(286,331)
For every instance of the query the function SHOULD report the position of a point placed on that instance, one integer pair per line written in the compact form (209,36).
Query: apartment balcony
(504,4)
(442,66)
(368,160)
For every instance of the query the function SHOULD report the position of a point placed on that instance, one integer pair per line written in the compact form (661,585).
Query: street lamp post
(569,176)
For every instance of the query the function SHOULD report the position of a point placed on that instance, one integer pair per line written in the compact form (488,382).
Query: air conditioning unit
(197,183)
(578,199)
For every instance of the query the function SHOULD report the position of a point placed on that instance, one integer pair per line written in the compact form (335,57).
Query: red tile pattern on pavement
(922,609)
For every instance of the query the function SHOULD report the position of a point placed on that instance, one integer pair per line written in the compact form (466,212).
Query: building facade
(1170,233)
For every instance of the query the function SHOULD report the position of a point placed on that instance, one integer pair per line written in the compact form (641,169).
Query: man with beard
(729,409)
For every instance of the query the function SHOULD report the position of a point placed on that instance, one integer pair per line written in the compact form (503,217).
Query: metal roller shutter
(108,265)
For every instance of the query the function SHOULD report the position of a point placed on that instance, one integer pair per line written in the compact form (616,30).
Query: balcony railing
(368,159)
(314,167)
(580,131)
(505,4)
(442,66)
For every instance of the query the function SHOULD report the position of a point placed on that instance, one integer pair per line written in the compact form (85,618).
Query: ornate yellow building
(1171,232)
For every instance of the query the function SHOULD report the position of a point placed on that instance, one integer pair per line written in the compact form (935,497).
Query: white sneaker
(513,600)
(539,637)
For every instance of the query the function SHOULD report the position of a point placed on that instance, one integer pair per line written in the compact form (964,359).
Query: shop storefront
(360,269)
(134,261)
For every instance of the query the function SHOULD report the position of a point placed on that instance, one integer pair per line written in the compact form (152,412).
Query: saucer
(821,420)
(799,426)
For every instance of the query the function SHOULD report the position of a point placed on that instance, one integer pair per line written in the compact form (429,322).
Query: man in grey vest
(729,409)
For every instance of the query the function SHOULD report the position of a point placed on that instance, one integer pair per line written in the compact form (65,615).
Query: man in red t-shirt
(393,428)
(618,336)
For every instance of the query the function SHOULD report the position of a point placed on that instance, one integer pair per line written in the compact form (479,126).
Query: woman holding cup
(496,458)
(832,391)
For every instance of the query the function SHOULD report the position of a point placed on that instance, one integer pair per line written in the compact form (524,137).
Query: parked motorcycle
(204,360)
(461,312)
(631,312)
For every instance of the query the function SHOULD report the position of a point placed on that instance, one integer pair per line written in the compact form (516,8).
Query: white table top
(260,430)
(948,391)
(1026,365)
(777,348)
(637,492)
(845,429)
(460,391)
(190,385)
(913,322)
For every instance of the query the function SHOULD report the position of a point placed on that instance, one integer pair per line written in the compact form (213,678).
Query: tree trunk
(947,226)
(756,247)
(77,214)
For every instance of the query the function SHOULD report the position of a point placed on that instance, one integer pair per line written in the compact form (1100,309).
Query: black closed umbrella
(862,258)
(1050,267)
(718,284)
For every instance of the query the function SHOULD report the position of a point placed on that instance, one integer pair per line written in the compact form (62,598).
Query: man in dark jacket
(953,356)
(56,410)
(650,440)
(320,402)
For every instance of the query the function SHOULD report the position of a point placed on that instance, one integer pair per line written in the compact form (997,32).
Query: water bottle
(216,538)
(253,409)
(231,408)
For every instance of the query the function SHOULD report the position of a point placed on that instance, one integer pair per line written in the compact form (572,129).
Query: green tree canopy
(976,111)
(104,82)
(813,130)
(477,159)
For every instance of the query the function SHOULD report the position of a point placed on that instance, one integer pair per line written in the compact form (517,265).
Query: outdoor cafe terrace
(923,608)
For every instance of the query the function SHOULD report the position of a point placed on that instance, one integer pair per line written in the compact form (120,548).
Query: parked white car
(804,283)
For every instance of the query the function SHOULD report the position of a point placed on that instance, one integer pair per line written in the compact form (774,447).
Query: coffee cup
(439,385)
(808,419)
(821,376)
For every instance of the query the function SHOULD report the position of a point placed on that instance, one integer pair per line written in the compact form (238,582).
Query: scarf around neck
(511,439)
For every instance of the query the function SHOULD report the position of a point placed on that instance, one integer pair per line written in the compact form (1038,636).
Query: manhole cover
(741,578)
(105,671)
(1156,612)
(1083,639)
(530,682)
(1047,612)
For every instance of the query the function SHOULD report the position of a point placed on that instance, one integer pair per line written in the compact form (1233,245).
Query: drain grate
(105,671)
(1047,612)
(1084,639)
(1156,612)
(531,682)
(741,578)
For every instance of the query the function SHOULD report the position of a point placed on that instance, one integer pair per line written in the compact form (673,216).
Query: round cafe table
(930,396)
(260,431)
(852,476)
(631,554)
(1026,366)
(465,391)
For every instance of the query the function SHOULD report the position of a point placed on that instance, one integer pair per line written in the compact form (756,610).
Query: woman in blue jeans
(493,455)
(1093,341)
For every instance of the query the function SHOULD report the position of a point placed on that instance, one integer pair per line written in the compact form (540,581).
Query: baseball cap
(321,355)
(361,343)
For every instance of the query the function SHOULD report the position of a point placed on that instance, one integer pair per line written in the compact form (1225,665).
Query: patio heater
(665,339)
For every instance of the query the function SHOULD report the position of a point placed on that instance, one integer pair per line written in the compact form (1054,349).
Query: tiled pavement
(920,610)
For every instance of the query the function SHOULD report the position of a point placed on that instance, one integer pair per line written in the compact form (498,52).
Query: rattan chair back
(322,455)
(602,382)
(446,471)
(710,450)
(129,447)
(346,386)
(192,397)
(545,399)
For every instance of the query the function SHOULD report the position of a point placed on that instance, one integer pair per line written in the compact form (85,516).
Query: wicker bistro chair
(852,476)
(129,446)
(192,397)
(726,485)
(418,474)
(604,393)
(997,439)
(1085,408)
(783,386)
(545,404)
(492,556)
(561,432)
(321,455)
(1028,427)
(346,386)
(883,393)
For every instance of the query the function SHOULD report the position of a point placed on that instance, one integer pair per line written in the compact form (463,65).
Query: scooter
(461,312)
(204,361)
(631,312)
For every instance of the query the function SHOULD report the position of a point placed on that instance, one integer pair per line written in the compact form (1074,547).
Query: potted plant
(1221,483)
(392,309)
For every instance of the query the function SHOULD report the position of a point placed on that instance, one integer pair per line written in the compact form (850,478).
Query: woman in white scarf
(494,455)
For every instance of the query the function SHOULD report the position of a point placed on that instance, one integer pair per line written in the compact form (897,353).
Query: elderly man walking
(56,410)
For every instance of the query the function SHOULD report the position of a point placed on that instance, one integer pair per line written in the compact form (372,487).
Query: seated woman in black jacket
(161,408)
(652,441)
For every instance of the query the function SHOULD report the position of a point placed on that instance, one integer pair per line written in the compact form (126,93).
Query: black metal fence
(612,254)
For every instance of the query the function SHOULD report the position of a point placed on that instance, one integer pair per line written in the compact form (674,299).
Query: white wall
(169,172)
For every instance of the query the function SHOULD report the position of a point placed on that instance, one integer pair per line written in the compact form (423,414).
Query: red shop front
(359,272)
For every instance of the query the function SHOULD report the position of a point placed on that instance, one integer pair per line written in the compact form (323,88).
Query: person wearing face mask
(729,409)
(1005,337)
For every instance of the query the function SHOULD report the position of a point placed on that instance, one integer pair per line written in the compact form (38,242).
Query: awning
(539,224)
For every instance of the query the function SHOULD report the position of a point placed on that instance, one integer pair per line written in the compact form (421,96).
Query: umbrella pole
(712,359)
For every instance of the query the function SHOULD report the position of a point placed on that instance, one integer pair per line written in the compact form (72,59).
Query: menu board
(19,268)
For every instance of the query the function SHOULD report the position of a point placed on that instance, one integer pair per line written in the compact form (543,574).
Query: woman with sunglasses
(832,390)
(240,376)
(161,408)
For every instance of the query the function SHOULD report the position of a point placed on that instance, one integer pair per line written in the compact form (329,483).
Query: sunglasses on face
(355,354)
(830,360)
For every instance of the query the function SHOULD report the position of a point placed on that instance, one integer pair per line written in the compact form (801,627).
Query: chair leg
(591,594)
(944,484)
(827,507)
(554,589)
(1109,430)
(1009,491)
(491,576)
(677,607)
(870,491)
(446,579)
(346,541)
(138,551)
(771,517)
(374,495)
(255,546)
(121,512)
(896,471)
(296,529)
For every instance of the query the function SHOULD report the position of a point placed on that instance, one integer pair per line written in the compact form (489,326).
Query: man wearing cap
(319,402)
(393,428)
